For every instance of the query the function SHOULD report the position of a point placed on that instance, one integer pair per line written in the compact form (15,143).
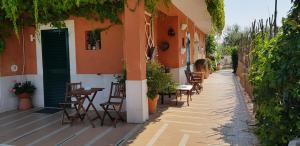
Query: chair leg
(105,108)
(119,113)
(104,114)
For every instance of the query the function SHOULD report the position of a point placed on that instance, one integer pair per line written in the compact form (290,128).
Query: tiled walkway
(218,116)
(28,128)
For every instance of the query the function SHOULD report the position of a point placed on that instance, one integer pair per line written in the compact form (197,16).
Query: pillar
(134,54)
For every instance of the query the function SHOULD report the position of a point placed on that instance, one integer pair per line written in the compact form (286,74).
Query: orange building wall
(109,59)
(170,57)
(13,54)
(178,60)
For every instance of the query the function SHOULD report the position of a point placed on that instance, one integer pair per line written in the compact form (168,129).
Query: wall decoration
(164,46)
(171,32)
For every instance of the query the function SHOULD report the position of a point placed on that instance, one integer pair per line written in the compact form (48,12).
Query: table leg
(191,95)
(176,97)
(180,95)
(85,111)
(162,98)
(93,106)
(188,98)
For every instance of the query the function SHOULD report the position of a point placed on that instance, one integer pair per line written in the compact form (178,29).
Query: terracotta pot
(152,104)
(218,67)
(24,101)
(207,72)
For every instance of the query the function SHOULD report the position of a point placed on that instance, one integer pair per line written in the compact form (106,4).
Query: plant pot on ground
(157,81)
(24,91)
(200,65)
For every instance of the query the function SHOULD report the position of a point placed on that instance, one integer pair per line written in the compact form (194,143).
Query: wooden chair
(68,104)
(194,79)
(198,77)
(114,103)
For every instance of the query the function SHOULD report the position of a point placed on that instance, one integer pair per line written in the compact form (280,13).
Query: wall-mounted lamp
(32,38)
(183,26)
(171,32)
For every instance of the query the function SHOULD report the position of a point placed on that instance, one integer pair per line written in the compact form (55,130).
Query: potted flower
(157,81)
(24,91)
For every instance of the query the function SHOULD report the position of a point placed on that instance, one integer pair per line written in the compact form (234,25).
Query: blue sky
(243,12)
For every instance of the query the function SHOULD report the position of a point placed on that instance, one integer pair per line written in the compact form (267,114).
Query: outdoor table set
(76,96)
(82,95)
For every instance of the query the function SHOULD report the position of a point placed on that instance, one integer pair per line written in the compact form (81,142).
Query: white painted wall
(178,74)
(8,101)
(137,101)
(98,81)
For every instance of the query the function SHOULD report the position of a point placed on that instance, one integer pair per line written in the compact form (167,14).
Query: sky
(243,12)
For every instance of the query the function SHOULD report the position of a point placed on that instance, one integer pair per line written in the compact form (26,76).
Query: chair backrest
(117,91)
(188,76)
(71,87)
(197,76)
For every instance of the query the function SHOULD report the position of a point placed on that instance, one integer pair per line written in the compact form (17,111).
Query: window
(93,40)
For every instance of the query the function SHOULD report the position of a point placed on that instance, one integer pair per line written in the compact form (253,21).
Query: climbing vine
(18,13)
(216,10)
(152,5)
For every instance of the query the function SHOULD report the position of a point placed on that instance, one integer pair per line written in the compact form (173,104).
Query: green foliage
(216,10)
(275,76)
(233,36)
(210,65)
(151,5)
(157,79)
(234,58)
(210,45)
(15,14)
(121,78)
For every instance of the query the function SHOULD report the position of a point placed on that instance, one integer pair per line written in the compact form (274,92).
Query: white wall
(178,74)
(96,81)
(8,101)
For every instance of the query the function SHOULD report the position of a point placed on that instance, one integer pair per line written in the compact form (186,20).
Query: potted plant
(157,81)
(200,65)
(24,91)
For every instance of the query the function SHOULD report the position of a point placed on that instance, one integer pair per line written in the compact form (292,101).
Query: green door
(56,66)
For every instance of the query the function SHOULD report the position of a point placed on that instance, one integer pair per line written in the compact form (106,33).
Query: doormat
(48,110)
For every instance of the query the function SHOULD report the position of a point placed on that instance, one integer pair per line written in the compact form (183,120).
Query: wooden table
(184,88)
(81,96)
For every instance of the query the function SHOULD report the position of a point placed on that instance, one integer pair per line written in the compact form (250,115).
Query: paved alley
(218,116)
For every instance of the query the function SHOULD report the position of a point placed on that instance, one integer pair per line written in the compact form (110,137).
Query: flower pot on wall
(24,101)
(152,104)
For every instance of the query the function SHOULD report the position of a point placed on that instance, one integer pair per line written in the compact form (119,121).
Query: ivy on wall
(18,13)
(216,10)
(15,14)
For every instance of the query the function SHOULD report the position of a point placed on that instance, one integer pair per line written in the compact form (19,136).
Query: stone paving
(218,116)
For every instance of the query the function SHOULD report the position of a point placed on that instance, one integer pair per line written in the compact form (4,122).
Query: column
(135,58)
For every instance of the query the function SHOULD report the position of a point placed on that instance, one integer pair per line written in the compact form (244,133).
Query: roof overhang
(196,10)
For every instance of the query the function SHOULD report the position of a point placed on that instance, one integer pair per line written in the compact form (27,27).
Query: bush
(210,65)
(275,76)
(158,81)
